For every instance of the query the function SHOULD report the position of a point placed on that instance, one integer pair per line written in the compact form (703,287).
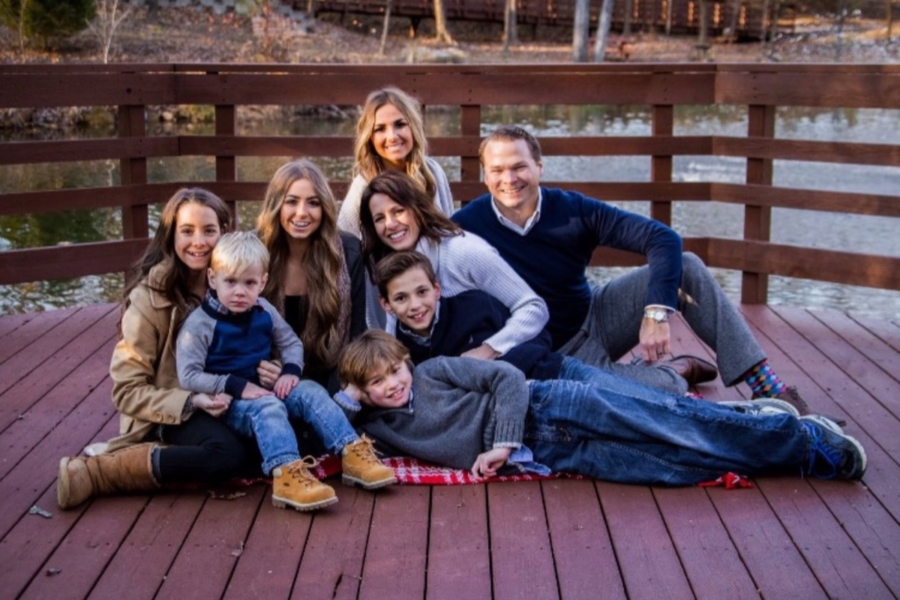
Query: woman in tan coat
(167,435)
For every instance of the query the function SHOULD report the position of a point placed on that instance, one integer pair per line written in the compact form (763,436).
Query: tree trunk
(626,25)
(384,27)
(510,30)
(703,36)
(668,17)
(580,30)
(440,23)
(603,24)
(890,20)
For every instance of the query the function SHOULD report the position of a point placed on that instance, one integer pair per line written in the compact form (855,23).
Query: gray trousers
(614,320)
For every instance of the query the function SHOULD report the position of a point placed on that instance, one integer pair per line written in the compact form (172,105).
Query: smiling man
(548,236)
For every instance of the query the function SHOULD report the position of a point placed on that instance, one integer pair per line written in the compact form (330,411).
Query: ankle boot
(362,467)
(127,470)
(293,485)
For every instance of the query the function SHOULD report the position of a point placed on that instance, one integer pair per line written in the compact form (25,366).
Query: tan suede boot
(362,467)
(127,470)
(293,485)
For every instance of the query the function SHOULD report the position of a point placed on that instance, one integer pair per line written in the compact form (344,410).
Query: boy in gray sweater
(217,351)
(483,416)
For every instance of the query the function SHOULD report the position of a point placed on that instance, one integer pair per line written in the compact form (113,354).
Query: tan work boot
(293,485)
(127,470)
(361,466)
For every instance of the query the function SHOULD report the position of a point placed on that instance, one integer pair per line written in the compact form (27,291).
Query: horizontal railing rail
(129,91)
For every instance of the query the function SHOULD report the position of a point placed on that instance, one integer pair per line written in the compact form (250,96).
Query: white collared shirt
(532,220)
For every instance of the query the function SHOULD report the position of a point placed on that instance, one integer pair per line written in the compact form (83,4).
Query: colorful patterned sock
(763,381)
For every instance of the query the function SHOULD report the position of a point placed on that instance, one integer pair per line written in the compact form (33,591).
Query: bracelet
(188,408)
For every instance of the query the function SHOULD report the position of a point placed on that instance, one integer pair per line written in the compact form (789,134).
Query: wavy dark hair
(323,261)
(433,224)
(174,282)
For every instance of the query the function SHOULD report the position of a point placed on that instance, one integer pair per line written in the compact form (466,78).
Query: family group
(470,338)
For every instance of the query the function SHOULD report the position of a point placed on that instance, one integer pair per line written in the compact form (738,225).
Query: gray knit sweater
(460,408)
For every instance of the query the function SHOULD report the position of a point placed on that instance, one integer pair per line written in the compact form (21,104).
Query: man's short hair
(238,251)
(396,264)
(511,133)
(367,354)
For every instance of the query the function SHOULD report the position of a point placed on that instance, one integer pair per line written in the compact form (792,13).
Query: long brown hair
(368,163)
(433,224)
(322,336)
(174,283)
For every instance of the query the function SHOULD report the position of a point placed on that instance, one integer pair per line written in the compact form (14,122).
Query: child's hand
(215,405)
(284,385)
(487,463)
(354,392)
(268,372)
(253,392)
(483,352)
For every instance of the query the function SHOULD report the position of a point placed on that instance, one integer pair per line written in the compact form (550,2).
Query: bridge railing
(129,90)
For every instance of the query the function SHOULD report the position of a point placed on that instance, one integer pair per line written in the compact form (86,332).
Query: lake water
(856,233)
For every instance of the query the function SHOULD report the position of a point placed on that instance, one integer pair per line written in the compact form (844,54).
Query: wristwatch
(657,314)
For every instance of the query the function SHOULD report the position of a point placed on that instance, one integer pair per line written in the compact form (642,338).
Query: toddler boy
(218,349)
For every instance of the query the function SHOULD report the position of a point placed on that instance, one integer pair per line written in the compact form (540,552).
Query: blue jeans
(268,420)
(620,430)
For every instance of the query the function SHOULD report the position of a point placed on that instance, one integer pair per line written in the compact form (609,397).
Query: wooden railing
(760,88)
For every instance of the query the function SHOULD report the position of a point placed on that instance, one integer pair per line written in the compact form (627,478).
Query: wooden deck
(786,538)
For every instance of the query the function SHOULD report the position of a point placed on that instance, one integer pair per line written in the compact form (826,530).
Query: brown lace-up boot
(293,485)
(361,466)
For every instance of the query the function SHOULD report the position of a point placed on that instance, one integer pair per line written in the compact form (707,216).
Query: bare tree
(580,30)
(629,13)
(510,32)
(890,20)
(105,24)
(384,27)
(440,22)
(603,25)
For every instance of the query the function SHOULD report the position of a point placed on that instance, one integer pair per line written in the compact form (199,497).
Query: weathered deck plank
(786,538)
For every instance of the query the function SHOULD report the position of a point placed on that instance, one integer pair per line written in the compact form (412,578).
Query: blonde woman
(390,136)
(316,275)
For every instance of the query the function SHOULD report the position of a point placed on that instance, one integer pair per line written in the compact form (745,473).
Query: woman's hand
(268,372)
(284,385)
(214,405)
(487,463)
(483,352)
(253,391)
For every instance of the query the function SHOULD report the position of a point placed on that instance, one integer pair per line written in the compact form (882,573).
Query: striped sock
(763,381)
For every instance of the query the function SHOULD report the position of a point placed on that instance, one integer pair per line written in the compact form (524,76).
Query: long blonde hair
(369,163)
(328,318)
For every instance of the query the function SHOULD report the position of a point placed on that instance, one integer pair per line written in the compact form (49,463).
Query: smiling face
(392,137)
(301,210)
(238,292)
(389,385)
(413,298)
(512,176)
(394,224)
(197,231)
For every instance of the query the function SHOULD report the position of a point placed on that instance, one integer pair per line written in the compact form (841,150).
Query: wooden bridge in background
(748,19)
(785,538)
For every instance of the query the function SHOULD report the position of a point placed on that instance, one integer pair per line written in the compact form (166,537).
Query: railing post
(663,124)
(226,166)
(470,123)
(133,172)
(758,219)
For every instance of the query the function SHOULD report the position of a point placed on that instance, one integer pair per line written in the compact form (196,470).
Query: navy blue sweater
(466,320)
(553,255)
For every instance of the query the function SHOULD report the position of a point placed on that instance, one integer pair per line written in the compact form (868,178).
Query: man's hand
(483,352)
(268,372)
(253,392)
(655,340)
(487,463)
(284,385)
(215,405)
